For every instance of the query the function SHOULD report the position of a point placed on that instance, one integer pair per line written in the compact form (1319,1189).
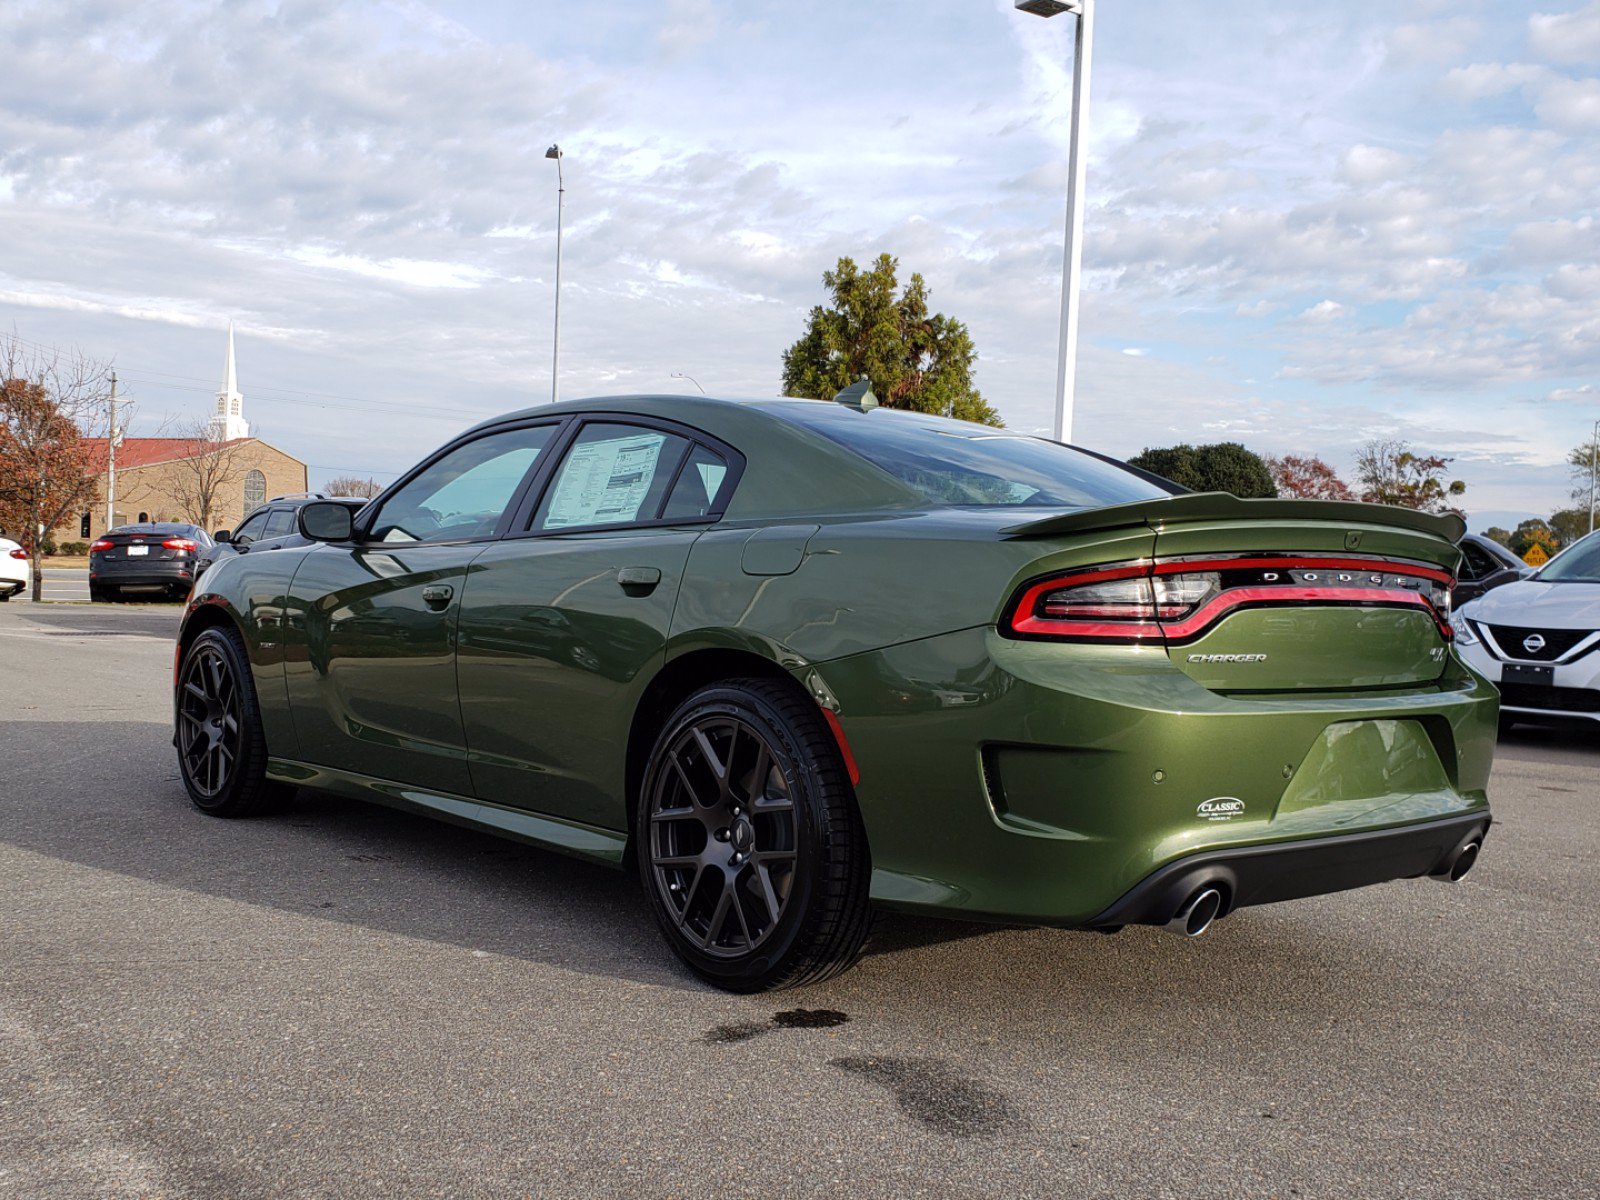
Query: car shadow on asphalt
(1575,743)
(122,808)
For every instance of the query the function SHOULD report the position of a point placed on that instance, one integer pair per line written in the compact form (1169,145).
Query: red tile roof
(145,452)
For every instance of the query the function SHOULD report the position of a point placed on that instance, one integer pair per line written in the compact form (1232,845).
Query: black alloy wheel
(222,752)
(749,840)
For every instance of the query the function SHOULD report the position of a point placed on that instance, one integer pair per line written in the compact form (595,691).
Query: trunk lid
(1294,595)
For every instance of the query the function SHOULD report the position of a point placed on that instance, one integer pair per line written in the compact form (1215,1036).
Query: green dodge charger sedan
(789,659)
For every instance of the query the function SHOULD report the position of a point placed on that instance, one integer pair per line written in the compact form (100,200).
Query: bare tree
(49,400)
(209,469)
(351,485)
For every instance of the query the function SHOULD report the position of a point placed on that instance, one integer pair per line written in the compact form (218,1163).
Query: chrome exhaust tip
(1195,917)
(1456,870)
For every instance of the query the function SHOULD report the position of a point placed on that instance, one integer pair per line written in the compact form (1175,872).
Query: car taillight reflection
(179,544)
(102,544)
(19,552)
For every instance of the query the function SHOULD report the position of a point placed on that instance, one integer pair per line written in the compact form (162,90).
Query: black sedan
(1485,564)
(156,556)
(270,527)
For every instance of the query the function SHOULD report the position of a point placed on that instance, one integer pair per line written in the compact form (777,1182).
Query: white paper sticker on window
(604,483)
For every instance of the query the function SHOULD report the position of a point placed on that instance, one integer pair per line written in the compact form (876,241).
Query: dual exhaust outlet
(1201,910)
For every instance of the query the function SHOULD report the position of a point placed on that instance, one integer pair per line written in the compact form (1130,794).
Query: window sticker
(605,482)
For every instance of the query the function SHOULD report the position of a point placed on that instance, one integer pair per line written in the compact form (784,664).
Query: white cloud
(1570,104)
(1481,81)
(1570,37)
(1372,164)
(1434,41)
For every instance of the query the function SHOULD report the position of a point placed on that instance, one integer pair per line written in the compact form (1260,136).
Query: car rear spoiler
(1211,506)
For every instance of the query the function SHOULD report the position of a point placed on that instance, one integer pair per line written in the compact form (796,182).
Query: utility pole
(111,459)
(1594,473)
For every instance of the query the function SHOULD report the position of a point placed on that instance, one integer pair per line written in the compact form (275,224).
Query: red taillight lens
(19,552)
(178,544)
(1111,604)
(1176,600)
(102,544)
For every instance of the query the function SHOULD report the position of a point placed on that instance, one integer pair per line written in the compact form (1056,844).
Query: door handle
(638,581)
(437,595)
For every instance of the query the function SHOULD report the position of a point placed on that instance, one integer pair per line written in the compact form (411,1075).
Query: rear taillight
(1176,600)
(178,544)
(19,552)
(102,544)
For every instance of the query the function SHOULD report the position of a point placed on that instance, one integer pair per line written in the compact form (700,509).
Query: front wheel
(222,748)
(749,841)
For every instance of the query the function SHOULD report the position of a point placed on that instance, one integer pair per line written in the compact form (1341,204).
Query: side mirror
(324,521)
(222,536)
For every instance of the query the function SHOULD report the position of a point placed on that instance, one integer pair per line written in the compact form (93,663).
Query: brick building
(155,475)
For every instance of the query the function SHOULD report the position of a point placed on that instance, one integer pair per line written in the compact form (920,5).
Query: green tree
(1570,524)
(1220,467)
(1390,472)
(914,360)
(1496,534)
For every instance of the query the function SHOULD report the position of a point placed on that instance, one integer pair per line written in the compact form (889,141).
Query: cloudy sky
(1309,224)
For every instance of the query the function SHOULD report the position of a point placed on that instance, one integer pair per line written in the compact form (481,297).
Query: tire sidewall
(220,640)
(805,785)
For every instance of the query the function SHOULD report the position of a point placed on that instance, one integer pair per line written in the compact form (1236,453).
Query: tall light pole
(561,202)
(690,378)
(1594,473)
(1072,267)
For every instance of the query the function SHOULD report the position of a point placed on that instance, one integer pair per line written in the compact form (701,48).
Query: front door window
(462,496)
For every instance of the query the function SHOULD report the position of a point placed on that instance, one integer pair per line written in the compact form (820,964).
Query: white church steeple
(228,423)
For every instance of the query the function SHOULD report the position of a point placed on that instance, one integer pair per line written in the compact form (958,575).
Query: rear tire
(1507,724)
(222,747)
(99,593)
(750,845)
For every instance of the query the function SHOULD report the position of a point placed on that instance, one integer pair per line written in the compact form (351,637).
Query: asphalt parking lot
(345,1001)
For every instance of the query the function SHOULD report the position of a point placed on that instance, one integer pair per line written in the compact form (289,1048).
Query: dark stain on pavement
(809,1018)
(794,1018)
(932,1094)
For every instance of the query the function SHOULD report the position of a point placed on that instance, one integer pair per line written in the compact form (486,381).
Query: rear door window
(698,487)
(613,474)
(279,522)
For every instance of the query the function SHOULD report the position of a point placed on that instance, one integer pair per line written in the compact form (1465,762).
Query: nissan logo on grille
(1533,643)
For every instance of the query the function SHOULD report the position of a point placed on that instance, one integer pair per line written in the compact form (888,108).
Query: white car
(13,569)
(1539,638)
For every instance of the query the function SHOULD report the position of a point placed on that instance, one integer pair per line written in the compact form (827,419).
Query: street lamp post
(555,351)
(690,378)
(1072,267)
(1594,469)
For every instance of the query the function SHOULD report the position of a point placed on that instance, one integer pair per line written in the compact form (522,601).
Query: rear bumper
(144,574)
(1267,874)
(1042,784)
